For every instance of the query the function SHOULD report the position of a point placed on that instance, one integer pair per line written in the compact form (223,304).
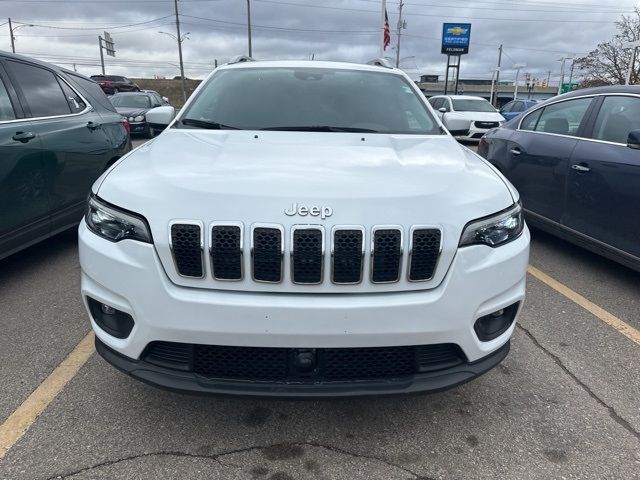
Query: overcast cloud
(534,32)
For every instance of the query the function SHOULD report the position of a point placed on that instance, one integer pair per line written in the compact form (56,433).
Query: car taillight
(126,125)
(483,141)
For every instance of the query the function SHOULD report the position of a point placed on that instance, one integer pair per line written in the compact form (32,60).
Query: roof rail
(380,62)
(240,59)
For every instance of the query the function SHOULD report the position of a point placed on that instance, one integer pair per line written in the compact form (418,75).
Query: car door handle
(515,151)
(24,137)
(580,168)
(93,126)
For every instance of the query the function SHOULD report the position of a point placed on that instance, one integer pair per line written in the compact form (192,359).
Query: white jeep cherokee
(303,229)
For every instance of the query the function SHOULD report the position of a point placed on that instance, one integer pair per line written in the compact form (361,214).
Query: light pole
(517,66)
(249,25)
(563,60)
(634,46)
(494,72)
(13,30)
(180,40)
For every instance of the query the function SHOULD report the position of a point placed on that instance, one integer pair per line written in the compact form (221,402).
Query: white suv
(466,117)
(303,229)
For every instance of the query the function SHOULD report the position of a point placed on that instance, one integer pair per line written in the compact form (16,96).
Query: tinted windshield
(133,101)
(292,98)
(468,105)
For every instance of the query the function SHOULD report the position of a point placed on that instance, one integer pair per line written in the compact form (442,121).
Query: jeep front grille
(307,246)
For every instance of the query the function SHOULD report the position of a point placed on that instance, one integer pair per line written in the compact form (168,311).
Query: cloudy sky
(533,32)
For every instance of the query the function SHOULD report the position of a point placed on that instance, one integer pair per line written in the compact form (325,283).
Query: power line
(279,28)
(112,27)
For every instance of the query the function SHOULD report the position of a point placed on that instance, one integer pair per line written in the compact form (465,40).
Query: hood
(131,111)
(478,116)
(253,177)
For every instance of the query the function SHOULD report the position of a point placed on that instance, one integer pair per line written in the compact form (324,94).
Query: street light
(180,40)
(562,59)
(13,30)
(517,66)
(635,46)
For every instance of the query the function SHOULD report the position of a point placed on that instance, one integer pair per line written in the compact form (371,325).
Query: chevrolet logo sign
(457,30)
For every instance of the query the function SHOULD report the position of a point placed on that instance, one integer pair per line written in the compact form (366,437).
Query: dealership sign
(455,38)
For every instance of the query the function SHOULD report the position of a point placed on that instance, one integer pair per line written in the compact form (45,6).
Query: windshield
(319,99)
(472,105)
(133,101)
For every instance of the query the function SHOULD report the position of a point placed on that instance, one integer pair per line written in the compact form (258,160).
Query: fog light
(107,310)
(113,321)
(495,324)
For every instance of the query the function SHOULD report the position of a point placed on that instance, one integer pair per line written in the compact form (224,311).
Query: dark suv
(58,133)
(111,84)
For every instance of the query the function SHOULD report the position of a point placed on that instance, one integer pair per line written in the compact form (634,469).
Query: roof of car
(308,64)
(39,62)
(599,90)
(461,97)
(133,93)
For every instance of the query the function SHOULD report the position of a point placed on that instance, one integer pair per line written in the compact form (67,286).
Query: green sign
(568,87)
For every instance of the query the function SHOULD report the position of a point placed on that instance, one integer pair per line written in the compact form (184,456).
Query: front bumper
(129,277)
(139,128)
(193,383)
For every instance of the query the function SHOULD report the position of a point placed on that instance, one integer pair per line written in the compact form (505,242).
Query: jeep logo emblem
(314,211)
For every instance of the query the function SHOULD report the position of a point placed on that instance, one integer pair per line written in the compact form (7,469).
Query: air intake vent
(307,253)
(348,252)
(424,251)
(186,245)
(267,250)
(226,252)
(386,253)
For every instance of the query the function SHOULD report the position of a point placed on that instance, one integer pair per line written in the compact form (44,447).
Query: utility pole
(517,66)
(573,64)
(101,54)
(548,77)
(249,24)
(184,89)
(400,27)
(494,101)
(634,46)
(13,44)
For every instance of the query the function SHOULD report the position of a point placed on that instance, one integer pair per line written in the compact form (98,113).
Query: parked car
(134,107)
(162,100)
(516,107)
(112,84)
(466,117)
(576,161)
(322,235)
(58,133)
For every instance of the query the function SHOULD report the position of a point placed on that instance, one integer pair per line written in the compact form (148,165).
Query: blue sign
(455,38)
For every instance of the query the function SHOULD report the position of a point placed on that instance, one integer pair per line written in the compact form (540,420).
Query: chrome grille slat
(347,254)
(267,251)
(307,254)
(225,249)
(186,244)
(386,254)
(425,245)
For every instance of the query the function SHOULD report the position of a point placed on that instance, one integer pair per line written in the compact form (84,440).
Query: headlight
(494,230)
(139,118)
(115,224)
(130,119)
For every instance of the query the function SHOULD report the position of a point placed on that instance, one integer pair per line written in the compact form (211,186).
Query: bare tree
(609,62)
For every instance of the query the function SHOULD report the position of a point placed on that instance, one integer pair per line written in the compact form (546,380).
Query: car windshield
(133,101)
(472,105)
(310,99)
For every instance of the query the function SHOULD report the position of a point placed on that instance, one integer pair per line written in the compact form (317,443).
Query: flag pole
(382,21)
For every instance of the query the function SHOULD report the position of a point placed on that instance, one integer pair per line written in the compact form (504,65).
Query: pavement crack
(218,456)
(612,412)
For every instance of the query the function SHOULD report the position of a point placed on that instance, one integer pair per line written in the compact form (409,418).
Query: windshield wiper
(194,122)
(321,128)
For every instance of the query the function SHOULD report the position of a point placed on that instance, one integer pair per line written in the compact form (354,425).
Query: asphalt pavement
(564,404)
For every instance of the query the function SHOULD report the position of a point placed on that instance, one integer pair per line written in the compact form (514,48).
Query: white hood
(252,177)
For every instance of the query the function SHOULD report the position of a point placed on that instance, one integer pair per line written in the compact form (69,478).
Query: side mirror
(165,99)
(442,110)
(160,117)
(633,139)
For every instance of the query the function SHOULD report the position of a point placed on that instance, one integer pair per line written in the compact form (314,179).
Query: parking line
(608,318)
(20,420)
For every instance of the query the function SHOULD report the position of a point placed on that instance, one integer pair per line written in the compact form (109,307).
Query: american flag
(387,32)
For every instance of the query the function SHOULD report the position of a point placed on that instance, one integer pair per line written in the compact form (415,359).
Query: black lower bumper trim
(192,383)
